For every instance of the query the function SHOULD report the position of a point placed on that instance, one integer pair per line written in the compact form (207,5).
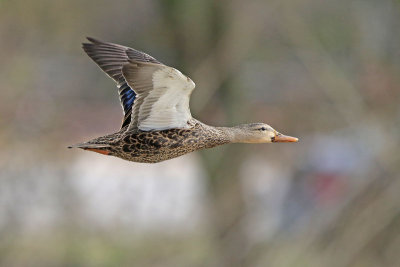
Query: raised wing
(163,95)
(111,58)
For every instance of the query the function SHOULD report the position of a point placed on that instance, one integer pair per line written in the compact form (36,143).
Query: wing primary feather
(153,95)
(111,58)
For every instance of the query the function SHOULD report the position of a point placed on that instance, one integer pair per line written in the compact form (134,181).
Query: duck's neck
(235,134)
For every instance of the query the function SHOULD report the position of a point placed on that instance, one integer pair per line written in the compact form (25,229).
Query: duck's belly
(154,156)
(152,147)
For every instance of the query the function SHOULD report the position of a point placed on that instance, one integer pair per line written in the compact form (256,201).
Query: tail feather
(99,148)
(88,145)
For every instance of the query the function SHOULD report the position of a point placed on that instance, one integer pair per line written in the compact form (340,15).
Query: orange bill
(280,138)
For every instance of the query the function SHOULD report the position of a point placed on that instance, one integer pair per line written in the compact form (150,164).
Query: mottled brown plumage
(156,146)
(157,124)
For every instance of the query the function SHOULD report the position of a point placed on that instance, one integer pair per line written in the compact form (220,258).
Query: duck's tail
(99,148)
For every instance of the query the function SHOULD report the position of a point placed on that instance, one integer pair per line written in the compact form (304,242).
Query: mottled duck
(157,123)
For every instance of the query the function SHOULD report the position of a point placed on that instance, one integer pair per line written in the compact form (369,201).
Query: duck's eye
(263,129)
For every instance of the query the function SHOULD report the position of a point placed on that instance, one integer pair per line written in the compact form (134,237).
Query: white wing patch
(167,104)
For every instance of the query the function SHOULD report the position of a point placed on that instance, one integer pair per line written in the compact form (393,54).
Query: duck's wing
(163,95)
(111,58)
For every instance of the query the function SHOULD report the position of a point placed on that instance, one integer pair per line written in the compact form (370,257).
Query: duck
(157,123)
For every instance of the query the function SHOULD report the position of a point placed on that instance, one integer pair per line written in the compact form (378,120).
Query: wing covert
(163,95)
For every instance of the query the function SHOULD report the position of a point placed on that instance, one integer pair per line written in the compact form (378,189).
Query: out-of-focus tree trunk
(226,206)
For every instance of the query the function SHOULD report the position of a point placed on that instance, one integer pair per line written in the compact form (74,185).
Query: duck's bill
(280,138)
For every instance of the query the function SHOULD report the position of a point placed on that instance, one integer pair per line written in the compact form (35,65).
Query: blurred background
(327,72)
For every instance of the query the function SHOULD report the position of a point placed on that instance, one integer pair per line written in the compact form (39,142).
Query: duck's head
(259,133)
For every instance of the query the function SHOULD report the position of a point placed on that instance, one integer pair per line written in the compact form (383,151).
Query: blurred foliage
(325,71)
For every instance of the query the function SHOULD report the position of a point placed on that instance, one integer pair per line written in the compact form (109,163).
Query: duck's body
(156,146)
(157,124)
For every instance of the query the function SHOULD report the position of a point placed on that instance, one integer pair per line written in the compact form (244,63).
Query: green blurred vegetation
(325,71)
